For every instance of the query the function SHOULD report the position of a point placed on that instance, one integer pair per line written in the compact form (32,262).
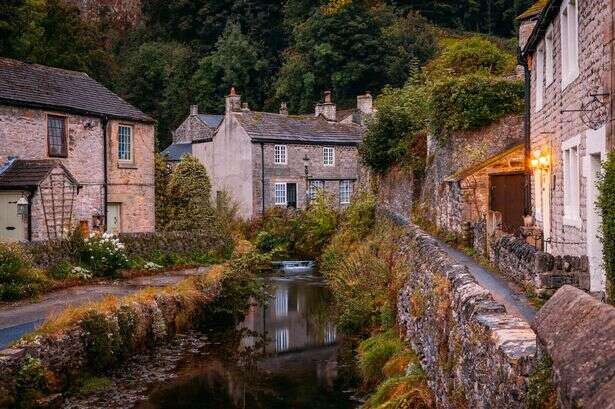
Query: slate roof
(269,127)
(176,151)
(29,173)
(212,121)
(39,86)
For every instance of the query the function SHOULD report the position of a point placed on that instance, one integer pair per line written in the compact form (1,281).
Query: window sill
(572,222)
(126,165)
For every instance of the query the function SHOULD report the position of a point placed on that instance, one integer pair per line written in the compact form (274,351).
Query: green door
(11,224)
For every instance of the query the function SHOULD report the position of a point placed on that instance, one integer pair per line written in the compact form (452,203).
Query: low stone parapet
(474,353)
(577,332)
(525,264)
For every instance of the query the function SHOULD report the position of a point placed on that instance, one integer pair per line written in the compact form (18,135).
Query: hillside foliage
(181,52)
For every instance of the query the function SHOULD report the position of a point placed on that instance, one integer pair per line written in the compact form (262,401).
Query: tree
(51,32)
(162,174)
(606,204)
(188,193)
(155,77)
(235,62)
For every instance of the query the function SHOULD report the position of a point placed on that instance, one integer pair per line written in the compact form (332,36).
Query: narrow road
(502,291)
(20,318)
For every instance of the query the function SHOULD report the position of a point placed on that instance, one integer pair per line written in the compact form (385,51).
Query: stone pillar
(194,110)
(283,108)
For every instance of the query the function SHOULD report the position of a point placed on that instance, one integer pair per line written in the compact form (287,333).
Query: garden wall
(525,264)
(49,253)
(578,333)
(474,353)
(396,190)
(99,339)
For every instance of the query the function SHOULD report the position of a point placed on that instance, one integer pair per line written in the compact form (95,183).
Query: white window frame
(130,150)
(345,191)
(280,194)
(313,187)
(540,76)
(569,38)
(549,60)
(280,154)
(571,161)
(328,156)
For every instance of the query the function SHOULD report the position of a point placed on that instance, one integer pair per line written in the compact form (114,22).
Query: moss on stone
(541,392)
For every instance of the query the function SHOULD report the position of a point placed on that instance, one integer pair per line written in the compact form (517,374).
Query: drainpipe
(527,199)
(104,123)
(262,179)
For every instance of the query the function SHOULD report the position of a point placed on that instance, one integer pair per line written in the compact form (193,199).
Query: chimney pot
(232,93)
(327,97)
(283,108)
(232,101)
(194,110)
(244,106)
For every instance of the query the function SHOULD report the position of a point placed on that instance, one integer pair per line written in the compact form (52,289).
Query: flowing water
(286,354)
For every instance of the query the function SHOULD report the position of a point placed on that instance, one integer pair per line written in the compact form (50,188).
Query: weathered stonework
(474,353)
(396,190)
(545,272)
(578,333)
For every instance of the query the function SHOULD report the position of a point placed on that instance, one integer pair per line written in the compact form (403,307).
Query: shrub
(30,382)
(17,277)
(102,341)
(316,227)
(375,352)
(541,391)
(606,203)
(104,254)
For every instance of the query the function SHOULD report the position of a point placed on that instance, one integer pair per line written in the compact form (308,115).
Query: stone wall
(525,264)
(49,253)
(577,332)
(134,326)
(474,353)
(396,190)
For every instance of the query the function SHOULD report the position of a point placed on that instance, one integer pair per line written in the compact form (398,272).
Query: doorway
(506,196)
(114,218)
(11,224)
(291,198)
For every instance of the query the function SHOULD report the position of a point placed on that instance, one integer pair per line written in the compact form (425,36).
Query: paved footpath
(20,318)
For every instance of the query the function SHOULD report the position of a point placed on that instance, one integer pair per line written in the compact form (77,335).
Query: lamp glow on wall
(540,160)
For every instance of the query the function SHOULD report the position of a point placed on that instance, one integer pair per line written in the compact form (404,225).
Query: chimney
(365,104)
(233,101)
(244,107)
(194,110)
(283,108)
(328,109)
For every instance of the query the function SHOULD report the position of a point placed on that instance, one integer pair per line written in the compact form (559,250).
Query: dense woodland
(179,52)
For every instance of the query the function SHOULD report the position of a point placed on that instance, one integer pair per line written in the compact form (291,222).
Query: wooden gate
(506,196)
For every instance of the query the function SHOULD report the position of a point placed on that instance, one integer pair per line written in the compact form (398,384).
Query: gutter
(527,87)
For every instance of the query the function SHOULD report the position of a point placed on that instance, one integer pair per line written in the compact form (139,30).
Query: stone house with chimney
(196,128)
(566,46)
(71,153)
(264,160)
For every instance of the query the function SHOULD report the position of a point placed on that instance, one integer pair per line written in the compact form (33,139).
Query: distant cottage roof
(176,151)
(269,127)
(39,86)
(29,173)
(212,121)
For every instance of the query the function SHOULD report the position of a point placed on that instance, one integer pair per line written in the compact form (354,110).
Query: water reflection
(292,358)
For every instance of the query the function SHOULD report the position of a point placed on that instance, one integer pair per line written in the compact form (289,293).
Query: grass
(90,383)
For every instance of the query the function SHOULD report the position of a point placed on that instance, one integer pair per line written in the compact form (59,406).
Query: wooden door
(506,197)
(114,218)
(11,224)
(291,195)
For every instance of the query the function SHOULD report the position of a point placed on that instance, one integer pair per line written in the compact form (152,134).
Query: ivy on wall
(606,203)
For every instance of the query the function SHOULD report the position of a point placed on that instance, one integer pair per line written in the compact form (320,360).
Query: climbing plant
(606,203)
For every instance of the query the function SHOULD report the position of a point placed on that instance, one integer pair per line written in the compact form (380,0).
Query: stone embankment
(98,337)
(474,353)
(577,332)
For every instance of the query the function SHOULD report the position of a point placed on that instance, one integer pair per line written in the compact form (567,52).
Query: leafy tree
(156,78)
(162,174)
(51,32)
(189,192)
(235,62)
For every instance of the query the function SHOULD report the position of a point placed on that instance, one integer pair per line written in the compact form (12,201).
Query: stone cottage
(267,159)
(567,51)
(71,153)
(196,128)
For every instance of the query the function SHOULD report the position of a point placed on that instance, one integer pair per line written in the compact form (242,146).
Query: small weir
(285,354)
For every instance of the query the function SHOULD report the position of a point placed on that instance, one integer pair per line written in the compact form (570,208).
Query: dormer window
(569,28)
(56,136)
(280,156)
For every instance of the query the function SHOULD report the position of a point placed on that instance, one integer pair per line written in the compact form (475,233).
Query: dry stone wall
(474,353)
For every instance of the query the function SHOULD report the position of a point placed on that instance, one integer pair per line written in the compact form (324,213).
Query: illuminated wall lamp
(540,160)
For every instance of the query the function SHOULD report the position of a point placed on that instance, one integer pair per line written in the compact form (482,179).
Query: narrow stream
(286,354)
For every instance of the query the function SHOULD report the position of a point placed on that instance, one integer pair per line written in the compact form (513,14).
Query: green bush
(541,391)
(30,382)
(103,344)
(606,203)
(104,254)
(61,271)
(17,277)
(375,352)
(317,226)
